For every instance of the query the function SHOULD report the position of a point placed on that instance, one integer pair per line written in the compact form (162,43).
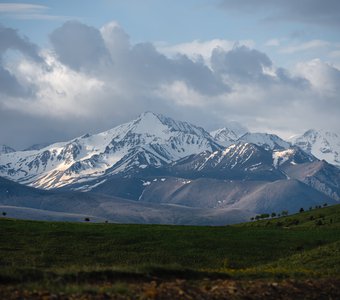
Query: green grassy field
(305,245)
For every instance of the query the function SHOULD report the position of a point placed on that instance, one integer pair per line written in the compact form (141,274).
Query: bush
(284,213)
(318,223)
(264,216)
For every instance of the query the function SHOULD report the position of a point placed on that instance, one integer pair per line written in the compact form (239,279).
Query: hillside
(91,254)
(325,217)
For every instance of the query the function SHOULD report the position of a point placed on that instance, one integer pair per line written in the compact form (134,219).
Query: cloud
(246,66)
(21,8)
(79,46)
(11,40)
(93,79)
(314,44)
(198,50)
(150,65)
(241,63)
(9,85)
(27,11)
(109,53)
(335,54)
(273,43)
(115,38)
(324,77)
(305,11)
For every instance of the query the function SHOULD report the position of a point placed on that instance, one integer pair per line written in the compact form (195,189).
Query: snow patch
(280,157)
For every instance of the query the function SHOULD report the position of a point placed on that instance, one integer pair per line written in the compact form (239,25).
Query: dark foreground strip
(187,289)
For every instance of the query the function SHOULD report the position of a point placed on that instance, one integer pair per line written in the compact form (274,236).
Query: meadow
(56,255)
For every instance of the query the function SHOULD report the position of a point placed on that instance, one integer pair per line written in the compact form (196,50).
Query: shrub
(264,216)
(318,222)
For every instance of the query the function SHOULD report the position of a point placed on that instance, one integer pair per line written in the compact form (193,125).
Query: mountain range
(158,170)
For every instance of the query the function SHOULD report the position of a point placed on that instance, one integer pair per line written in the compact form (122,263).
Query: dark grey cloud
(245,65)
(320,12)
(297,81)
(83,47)
(11,40)
(79,46)
(151,66)
(240,63)
(10,86)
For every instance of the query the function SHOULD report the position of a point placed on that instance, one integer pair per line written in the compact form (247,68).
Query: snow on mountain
(229,134)
(150,140)
(266,140)
(6,149)
(293,155)
(240,161)
(321,143)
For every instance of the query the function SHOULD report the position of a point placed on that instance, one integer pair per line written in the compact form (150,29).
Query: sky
(73,67)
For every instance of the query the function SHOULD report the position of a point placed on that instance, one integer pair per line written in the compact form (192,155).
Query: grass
(326,217)
(294,246)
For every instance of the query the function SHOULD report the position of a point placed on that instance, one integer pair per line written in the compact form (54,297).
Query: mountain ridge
(153,139)
(321,143)
(155,167)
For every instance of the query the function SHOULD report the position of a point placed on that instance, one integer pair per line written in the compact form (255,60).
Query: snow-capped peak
(321,143)
(229,134)
(266,140)
(149,140)
(150,124)
(6,149)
